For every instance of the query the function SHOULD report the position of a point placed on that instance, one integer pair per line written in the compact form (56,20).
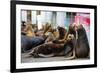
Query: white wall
(61,19)
(43,18)
(24,15)
(5,37)
(33,17)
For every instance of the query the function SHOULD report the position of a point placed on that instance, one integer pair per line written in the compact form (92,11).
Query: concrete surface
(26,59)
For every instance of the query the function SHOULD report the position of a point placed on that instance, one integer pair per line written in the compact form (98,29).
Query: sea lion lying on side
(52,49)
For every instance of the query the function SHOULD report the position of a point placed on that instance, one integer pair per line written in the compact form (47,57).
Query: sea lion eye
(70,37)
